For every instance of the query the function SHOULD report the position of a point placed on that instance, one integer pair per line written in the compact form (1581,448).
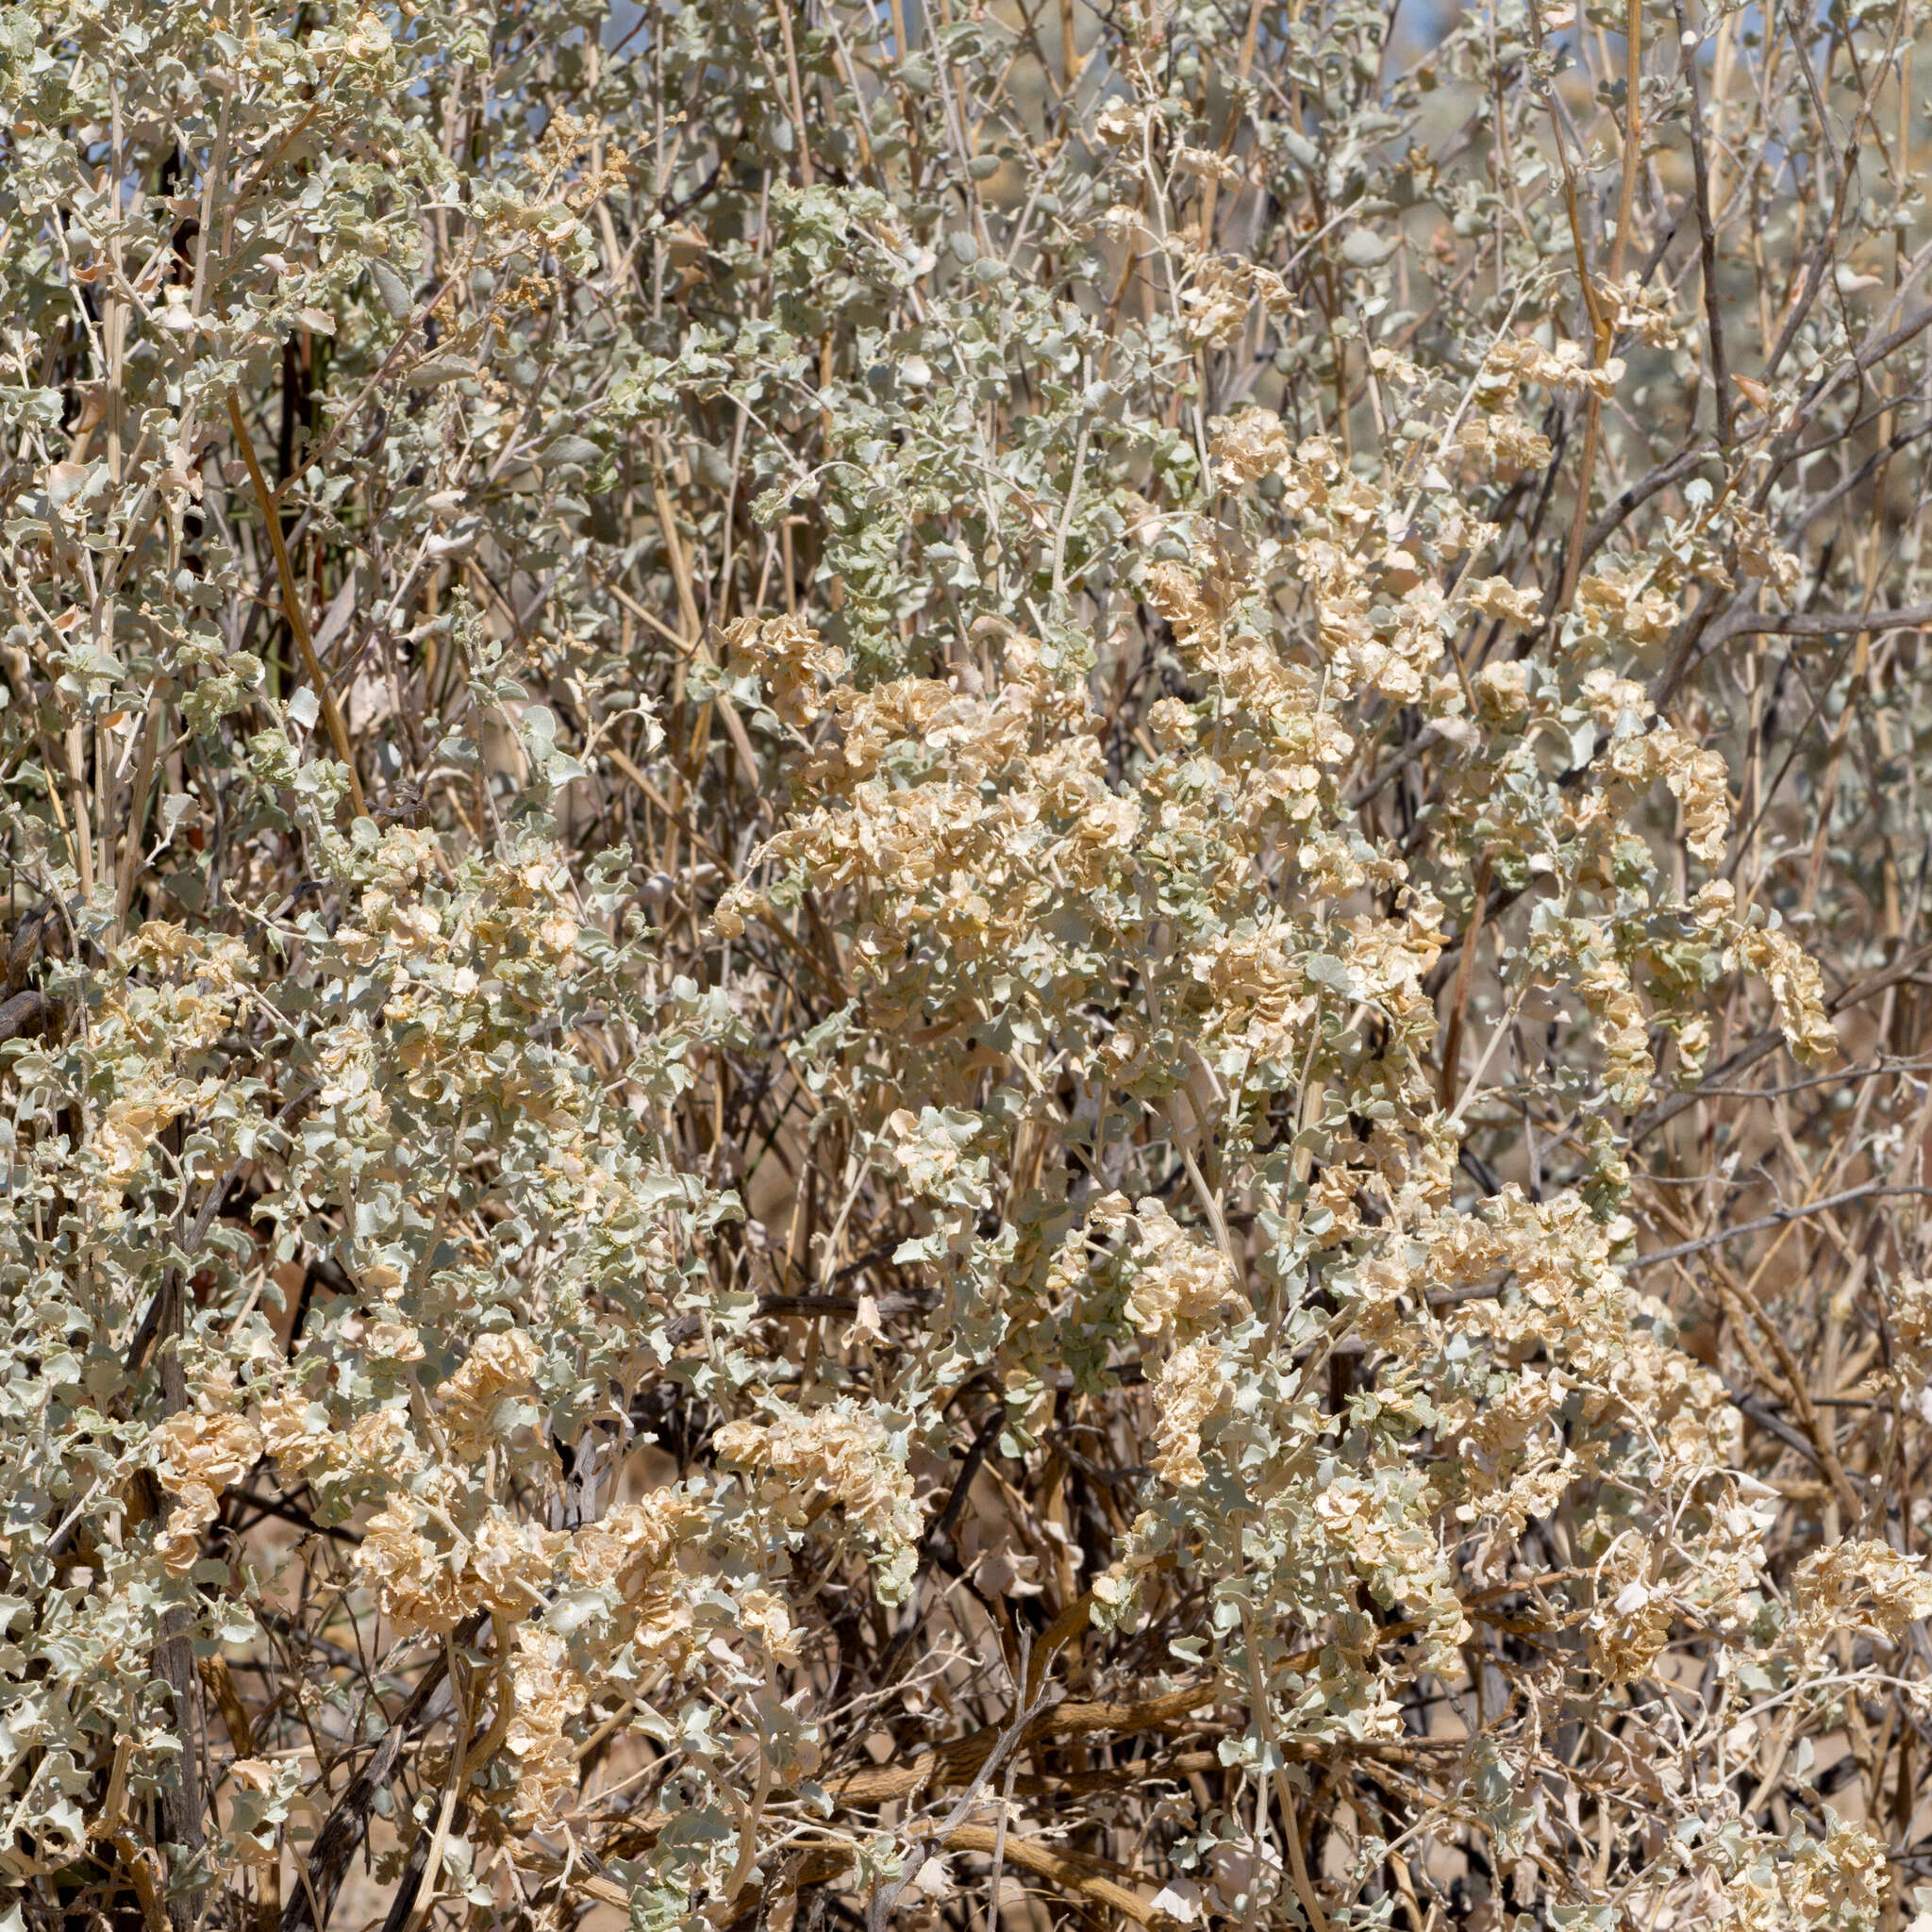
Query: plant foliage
(963,963)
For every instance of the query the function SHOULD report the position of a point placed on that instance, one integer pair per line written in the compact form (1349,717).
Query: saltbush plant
(964,963)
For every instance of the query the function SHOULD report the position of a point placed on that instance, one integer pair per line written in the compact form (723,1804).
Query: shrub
(961,961)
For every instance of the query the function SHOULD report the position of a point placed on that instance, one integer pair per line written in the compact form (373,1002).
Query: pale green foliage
(1054,832)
